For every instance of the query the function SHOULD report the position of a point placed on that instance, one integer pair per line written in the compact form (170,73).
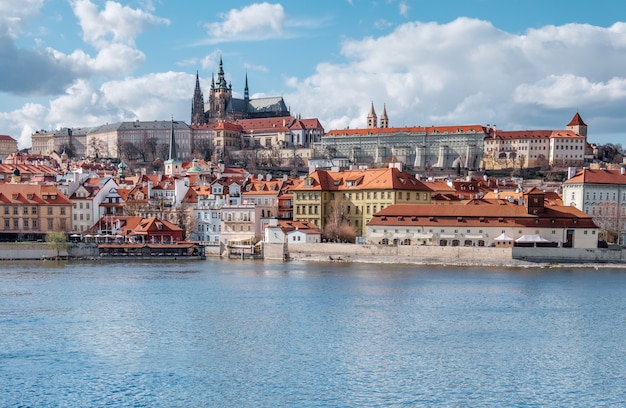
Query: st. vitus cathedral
(221,106)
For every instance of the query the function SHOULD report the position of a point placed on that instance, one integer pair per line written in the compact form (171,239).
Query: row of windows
(606,211)
(361,195)
(33,210)
(232,217)
(86,217)
(80,206)
(233,228)
(601,196)
(31,224)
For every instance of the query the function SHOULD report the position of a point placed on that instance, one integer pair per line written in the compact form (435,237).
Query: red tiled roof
(415,129)
(369,179)
(576,121)
(228,126)
(598,177)
(481,213)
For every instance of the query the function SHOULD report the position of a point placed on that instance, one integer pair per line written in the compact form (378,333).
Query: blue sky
(517,64)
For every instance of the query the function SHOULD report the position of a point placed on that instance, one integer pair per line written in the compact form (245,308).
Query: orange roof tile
(598,177)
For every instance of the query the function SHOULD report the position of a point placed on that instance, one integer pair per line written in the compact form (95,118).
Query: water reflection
(239,333)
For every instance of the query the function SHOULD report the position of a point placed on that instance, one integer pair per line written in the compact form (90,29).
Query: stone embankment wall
(393,254)
(366,253)
(441,255)
(28,250)
(570,255)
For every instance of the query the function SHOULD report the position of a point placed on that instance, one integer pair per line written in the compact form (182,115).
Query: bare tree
(148,147)
(202,149)
(337,227)
(129,150)
(163,151)
(97,148)
(611,219)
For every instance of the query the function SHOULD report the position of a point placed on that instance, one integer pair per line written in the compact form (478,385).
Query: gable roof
(368,179)
(576,121)
(601,176)
(461,129)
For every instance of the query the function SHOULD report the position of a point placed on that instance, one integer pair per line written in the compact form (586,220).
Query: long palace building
(418,147)
(447,147)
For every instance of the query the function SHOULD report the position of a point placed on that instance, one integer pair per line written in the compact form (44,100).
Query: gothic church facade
(222,106)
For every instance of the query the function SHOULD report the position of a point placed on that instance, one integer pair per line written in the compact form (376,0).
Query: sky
(515,64)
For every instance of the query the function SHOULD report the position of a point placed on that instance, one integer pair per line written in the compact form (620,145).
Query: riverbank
(356,253)
(453,256)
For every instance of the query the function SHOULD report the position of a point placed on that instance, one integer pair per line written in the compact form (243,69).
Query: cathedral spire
(221,81)
(246,93)
(372,119)
(384,120)
(197,105)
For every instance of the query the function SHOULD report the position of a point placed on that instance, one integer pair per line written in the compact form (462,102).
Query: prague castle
(222,106)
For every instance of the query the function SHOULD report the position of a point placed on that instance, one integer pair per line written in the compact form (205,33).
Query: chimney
(622,170)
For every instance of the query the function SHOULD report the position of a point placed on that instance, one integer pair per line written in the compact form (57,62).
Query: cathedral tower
(372,119)
(220,95)
(197,105)
(384,120)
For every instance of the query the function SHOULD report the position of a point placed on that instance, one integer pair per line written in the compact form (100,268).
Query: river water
(220,333)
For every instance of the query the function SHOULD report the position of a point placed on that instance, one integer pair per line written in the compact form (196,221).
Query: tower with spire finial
(173,165)
(222,106)
(197,105)
(384,120)
(372,119)
(220,95)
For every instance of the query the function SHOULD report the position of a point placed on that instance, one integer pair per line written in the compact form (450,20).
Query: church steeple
(246,94)
(173,155)
(197,105)
(221,81)
(173,165)
(384,120)
(372,119)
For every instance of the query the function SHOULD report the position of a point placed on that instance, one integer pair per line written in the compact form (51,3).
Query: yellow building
(29,211)
(354,195)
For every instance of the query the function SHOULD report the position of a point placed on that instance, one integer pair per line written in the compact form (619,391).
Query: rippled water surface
(234,334)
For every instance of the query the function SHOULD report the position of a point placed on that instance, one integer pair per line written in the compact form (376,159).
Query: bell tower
(372,119)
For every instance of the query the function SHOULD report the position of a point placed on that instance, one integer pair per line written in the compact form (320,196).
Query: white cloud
(468,72)
(151,97)
(154,96)
(47,71)
(256,22)
(115,24)
(14,15)
(404,9)
(22,122)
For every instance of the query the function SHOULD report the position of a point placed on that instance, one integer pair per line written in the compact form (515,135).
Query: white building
(528,222)
(602,194)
